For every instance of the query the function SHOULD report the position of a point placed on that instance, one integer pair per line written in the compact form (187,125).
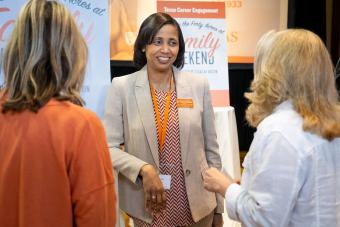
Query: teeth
(163,58)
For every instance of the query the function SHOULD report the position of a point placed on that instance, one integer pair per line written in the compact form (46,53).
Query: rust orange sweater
(55,169)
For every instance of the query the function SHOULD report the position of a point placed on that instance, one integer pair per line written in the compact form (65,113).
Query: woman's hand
(215,181)
(154,194)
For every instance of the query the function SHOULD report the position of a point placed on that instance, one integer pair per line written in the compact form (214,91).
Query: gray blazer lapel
(183,91)
(145,108)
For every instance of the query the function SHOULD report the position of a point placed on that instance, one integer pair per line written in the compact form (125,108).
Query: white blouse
(291,177)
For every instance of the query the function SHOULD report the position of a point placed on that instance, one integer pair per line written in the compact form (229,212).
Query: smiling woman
(155,113)
(161,54)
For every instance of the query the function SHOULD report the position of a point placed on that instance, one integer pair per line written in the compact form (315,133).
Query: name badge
(185,103)
(166,180)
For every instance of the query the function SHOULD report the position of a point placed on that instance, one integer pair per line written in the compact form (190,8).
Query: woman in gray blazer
(165,120)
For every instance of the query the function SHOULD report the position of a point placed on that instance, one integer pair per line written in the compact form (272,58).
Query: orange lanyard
(161,127)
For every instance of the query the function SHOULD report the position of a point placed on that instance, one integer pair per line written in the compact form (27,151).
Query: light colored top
(55,169)
(291,177)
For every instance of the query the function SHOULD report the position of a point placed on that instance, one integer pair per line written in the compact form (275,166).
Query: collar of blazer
(145,106)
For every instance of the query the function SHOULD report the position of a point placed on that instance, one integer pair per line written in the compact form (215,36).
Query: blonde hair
(45,58)
(295,65)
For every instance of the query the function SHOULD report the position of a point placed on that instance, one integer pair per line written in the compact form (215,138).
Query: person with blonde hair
(291,172)
(55,168)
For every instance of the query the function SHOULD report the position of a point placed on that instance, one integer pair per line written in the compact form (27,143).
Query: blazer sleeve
(210,140)
(123,162)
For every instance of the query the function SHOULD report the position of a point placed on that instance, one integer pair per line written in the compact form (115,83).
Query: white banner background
(93,21)
(205,43)
(208,60)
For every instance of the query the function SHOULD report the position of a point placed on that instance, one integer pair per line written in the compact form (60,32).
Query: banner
(93,21)
(204,29)
(8,12)
(247,20)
